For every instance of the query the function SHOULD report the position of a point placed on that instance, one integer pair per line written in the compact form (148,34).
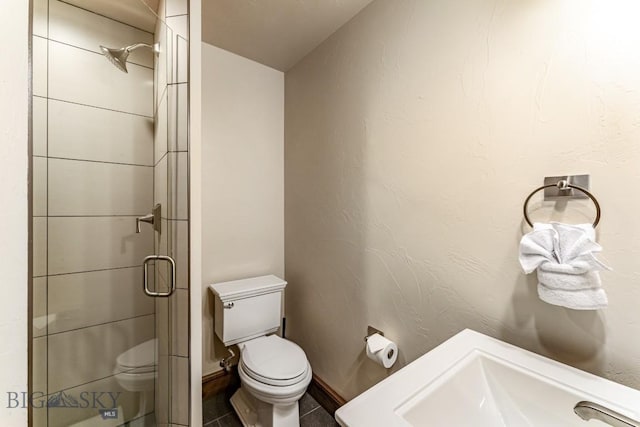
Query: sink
(475,380)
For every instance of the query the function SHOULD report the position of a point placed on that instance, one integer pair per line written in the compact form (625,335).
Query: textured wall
(242,178)
(413,135)
(14,25)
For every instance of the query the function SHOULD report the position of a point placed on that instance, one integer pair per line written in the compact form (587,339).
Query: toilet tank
(247,308)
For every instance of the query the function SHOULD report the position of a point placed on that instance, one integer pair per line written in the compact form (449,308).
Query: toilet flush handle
(228,305)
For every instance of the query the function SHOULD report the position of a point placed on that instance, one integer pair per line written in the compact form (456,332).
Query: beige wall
(242,177)
(14,121)
(412,137)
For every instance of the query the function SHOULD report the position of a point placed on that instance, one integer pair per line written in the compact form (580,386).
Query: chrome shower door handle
(172,275)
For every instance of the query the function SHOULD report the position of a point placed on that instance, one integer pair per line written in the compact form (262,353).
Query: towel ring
(563,185)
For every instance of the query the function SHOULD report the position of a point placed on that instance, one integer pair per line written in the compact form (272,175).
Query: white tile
(39,66)
(88,78)
(176,7)
(161,185)
(169,51)
(163,392)
(164,38)
(177,179)
(82,132)
(39,247)
(162,325)
(160,124)
(40,365)
(81,28)
(179,25)
(90,188)
(88,354)
(181,61)
(87,299)
(180,51)
(180,390)
(162,278)
(127,401)
(178,117)
(40,17)
(180,323)
(40,412)
(182,120)
(39,186)
(39,126)
(162,268)
(162,241)
(179,242)
(39,306)
(86,244)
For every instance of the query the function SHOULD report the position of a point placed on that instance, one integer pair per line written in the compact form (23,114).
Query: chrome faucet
(154,218)
(593,411)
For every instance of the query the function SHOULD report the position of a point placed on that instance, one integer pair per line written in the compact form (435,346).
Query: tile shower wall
(171,184)
(93,141)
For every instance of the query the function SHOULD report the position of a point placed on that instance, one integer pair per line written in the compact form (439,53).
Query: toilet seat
(143,354)
(275,394)
(140,359)
(274,361)
(135,369)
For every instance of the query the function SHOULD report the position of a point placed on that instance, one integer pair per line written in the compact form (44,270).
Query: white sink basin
(475,380)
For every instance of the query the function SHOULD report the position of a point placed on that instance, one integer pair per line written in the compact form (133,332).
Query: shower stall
(110,258)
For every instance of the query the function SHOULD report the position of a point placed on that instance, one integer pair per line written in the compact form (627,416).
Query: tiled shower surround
(107,146)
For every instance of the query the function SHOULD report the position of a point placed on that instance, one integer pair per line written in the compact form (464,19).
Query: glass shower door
(106,152)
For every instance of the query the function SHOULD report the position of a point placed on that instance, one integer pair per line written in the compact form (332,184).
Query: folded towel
(564,257)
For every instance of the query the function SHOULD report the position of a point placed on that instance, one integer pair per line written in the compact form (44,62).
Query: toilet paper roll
(381,350)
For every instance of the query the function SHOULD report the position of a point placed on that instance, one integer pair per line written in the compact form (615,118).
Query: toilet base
(255,413)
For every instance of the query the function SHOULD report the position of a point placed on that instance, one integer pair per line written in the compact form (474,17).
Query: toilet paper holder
(372,331)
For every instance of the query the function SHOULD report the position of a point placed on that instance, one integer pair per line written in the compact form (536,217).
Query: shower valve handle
(154,218)
(147,218)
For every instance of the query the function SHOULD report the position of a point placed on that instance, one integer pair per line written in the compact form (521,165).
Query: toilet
(136,371)
(274,372)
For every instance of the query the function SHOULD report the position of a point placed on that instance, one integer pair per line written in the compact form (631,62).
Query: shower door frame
(187,256)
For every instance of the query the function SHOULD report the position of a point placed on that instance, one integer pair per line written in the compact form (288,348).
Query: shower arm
(155,47)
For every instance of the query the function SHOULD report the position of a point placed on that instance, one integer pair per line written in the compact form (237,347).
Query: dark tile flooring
(218,412)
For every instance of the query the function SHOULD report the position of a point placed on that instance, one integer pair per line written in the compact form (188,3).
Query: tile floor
(218,412)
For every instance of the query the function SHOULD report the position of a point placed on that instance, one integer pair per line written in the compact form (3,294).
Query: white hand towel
(564,256)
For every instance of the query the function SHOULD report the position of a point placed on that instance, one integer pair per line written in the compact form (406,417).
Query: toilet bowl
(274,372)
(274,375)
(136,371)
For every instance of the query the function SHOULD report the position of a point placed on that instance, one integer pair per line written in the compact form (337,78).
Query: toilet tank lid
(244,288)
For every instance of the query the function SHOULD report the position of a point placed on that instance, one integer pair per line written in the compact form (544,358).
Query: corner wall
(413,136)
(242,178)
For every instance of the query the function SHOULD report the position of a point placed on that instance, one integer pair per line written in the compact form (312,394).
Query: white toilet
(136,371)
(274,372)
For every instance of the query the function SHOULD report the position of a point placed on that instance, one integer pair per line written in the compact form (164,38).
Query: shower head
(118,57)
